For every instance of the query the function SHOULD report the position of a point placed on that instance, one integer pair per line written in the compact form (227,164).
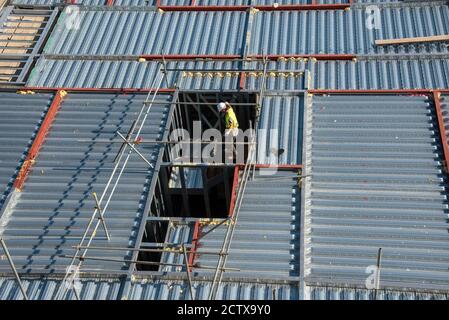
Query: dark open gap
(200,191)
(204,194)
(155,232)
(194,190)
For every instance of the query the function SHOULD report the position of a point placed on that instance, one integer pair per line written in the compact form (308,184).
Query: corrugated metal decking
(133,74)
(266,239)
(280,124)
(374,179)
(424,73)
(381,74)
(344,31)
(20,117)
(51,213)
(137,32)
(142,289)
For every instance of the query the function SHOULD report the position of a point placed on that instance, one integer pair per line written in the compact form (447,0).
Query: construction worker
(231,123)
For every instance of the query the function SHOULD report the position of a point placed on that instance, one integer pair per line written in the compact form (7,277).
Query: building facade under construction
(342,190)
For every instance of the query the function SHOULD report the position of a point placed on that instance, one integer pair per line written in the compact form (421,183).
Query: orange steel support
(242,82)
(39,140)
(196,233)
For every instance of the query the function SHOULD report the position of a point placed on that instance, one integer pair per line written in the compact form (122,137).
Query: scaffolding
(121,161)
(129,145)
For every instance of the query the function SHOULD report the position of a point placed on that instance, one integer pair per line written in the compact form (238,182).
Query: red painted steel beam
(192,254)
(193,3)
(242,82)
(39,140)
(442,128)
(158,3)
(110,2)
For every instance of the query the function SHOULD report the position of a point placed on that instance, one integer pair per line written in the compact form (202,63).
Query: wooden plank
(412,40)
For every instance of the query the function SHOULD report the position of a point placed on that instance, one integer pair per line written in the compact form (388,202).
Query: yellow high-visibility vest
(230,119)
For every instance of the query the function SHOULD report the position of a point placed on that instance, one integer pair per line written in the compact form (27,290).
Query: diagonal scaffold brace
(100,215)
(13,268)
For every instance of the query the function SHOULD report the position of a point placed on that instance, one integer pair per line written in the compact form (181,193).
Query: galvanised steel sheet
(123,31)
(281,124)
(331,293)
(374,179)
(177,234)
(141,289)
(179,290)
(51,213)
(144,289)
(265,244)
(46,289)
(95,74)
(20,118)
(133,74)
(372,74)
(345,32)
(58,2)
(35,2)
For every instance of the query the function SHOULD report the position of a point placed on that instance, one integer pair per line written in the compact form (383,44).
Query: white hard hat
(221,106)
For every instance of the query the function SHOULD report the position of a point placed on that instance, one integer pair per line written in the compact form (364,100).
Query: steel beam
(39,140)
(287,7)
